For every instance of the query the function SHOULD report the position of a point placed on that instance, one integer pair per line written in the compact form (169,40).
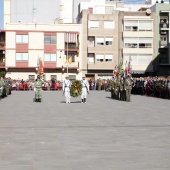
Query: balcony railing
(71,46)
(163,44)
(164,25)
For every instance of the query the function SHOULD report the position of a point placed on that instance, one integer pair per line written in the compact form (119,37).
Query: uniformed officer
(1,88)
(128,87)
(111,87)
(66,89)
(122,88)
(85,89)
(38,89)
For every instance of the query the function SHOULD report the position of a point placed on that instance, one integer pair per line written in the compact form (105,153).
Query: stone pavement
(103,134)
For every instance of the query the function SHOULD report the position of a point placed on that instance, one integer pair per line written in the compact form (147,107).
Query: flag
(41,69)
(64,59)
(115,70)
(70,59)
(130,65)
(125,69)
(38,63)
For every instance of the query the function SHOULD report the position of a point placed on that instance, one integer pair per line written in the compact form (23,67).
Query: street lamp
(67,53)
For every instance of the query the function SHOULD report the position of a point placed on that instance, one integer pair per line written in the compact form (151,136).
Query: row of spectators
(149,86)
(29,85)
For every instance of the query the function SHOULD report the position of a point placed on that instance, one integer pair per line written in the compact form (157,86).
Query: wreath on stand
(76,88)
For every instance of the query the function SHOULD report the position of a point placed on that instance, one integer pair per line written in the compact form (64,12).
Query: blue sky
(1,13)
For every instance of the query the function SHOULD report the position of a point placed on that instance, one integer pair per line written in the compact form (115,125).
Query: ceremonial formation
(121,85)
(5,87)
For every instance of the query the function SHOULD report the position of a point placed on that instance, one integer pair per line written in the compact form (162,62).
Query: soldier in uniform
(128,87)
(1,88)
(85,89)
(114,87)
(115,84)
(122,88)
(38,89)
(111,86)
(118,88)
(66,89)
(99,82)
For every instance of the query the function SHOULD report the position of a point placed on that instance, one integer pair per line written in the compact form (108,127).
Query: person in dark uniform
(122,88)
(38,89)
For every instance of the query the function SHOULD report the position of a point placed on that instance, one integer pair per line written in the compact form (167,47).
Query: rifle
(63,92)
(87,90)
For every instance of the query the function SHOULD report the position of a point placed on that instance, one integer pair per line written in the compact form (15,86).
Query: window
(109,24)
(145,42)
(21,56)
(50,57)
(21,39)
(91,41)
(145,25)
(108,57)
(90,58)
(99,57)
(138,59)
(127,57)
(72,77)
(144,59)
(130,25)
(93,24)
(54,77)
(100,41)
(131,42)
(139,25)
(108,41)
(31,77)
(49,39)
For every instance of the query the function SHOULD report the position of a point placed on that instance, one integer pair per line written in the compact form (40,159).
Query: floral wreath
(76,88)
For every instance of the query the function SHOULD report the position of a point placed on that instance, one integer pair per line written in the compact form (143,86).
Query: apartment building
(162,45)
(138,40)
(53,44)
(22,43)
(107,34)
(100,48)
(118,36)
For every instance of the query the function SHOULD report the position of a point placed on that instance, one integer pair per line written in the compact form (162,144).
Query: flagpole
(67,53)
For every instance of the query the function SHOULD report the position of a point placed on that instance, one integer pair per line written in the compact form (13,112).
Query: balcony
(163,44)
(2,64)
(71,46)
(2,45)
(164,26)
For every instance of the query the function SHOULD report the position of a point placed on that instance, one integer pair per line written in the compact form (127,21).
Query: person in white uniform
(66,89)
(85,89)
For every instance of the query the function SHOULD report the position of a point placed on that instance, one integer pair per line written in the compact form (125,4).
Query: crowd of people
(148,86)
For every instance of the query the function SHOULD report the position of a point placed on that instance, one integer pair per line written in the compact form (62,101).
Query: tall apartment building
(118,36)
(138,40)
(162,34)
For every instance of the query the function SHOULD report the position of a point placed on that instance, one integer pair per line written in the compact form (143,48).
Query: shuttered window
(145,25)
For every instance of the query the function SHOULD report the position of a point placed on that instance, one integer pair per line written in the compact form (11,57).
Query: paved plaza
(103,134)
